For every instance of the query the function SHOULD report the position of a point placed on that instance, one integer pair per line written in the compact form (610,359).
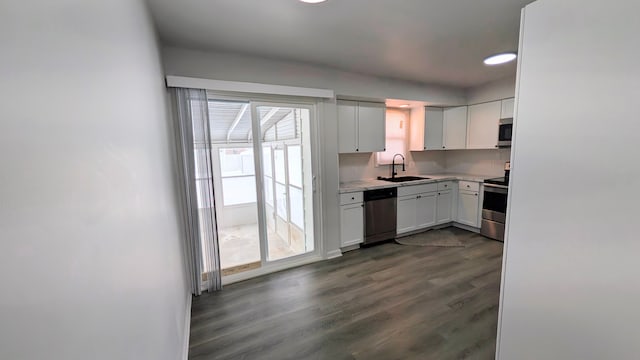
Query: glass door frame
(313,106)
(258,161)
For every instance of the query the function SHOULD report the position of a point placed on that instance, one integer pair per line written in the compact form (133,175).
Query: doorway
(262,158)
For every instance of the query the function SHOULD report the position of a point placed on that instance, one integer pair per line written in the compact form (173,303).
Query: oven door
(494,205)
(504,132)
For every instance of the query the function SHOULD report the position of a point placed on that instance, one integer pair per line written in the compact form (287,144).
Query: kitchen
(474,140)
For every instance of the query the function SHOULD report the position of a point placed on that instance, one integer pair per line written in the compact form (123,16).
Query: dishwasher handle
(380,194)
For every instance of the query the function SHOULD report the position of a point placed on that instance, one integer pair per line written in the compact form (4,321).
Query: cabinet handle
(445,185)
(357,150)
(443,147)
(362,205)
(385,149)
(418,197)
(476,194)
(353,198)
(425,148)
(439,194)
(468,186)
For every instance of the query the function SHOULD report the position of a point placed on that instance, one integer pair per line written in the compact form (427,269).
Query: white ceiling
(427,41)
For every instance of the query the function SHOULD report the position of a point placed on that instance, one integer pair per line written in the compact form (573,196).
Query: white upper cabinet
(506,110)
(433,132)
(426,129)
(371,126)
(347,126)
(482,127)
(361,126)
(455,128)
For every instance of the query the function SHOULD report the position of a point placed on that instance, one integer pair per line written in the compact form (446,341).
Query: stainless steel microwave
(504,132)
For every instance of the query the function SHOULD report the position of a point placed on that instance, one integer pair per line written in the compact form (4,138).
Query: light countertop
(370,184)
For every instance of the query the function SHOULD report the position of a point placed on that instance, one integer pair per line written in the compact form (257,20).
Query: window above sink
(396,123)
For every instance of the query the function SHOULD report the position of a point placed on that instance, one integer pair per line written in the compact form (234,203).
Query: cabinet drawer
(469,185)
(417,189)
(445,185)
(350,198)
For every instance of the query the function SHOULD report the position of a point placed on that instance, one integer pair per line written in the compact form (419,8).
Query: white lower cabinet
(406,214)
(351,219)
(426,209)
(444,207)
(417,211)
(468,208)
(418,207)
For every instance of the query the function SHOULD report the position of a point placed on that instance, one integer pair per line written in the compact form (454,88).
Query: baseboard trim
(187,328)
(334,254)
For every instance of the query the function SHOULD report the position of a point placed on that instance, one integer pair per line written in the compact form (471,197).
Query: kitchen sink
(403,178)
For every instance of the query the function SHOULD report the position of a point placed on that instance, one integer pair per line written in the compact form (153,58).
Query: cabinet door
(371,127)
(482,128)
(468,208)
(445,205)
(455,128)
(347,126)
(406,214)
(351,224)
(426,205)
(433,122)
(507,108)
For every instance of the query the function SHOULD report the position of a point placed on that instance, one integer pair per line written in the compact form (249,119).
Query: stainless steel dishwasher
(379,215)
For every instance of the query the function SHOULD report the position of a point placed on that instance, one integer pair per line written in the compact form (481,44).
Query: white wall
(233,67)
(328,112)
(570,274)
(495,90)
(90,258)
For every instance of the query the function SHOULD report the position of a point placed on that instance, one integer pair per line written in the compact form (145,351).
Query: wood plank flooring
(383,302)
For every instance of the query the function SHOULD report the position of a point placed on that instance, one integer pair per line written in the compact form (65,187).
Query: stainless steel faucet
(393,165)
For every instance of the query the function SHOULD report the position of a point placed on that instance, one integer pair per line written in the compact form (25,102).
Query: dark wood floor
(384,302)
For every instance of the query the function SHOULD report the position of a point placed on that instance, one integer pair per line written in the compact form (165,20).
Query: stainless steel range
(494,206)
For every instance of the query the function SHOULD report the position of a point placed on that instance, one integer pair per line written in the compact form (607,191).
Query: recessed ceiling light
(404,105)
(313,1)
(500,58)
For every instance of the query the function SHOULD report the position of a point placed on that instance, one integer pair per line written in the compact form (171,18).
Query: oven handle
(500,189)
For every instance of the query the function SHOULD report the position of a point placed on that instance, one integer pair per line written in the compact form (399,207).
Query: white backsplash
(489,163)
(477,162)
(363,166)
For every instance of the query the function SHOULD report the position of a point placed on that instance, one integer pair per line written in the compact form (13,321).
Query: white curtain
(194,148)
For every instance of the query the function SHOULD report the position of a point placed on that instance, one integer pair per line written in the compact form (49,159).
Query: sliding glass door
(264,188)
(284,141)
